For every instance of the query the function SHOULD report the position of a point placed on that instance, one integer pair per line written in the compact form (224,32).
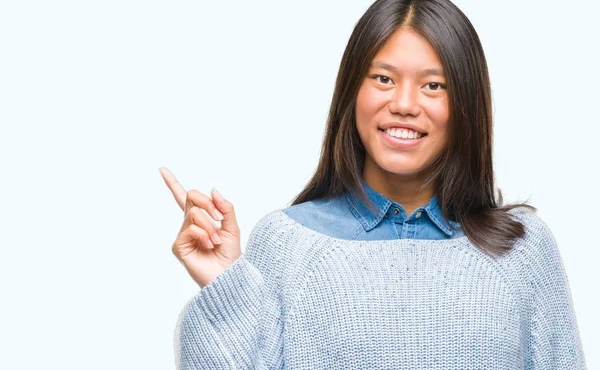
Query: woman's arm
(555,339)
(235,321)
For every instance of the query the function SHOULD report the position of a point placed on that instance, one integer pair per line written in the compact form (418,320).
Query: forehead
(408,50)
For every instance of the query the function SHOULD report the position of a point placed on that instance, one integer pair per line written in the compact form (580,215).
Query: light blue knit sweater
(299,299)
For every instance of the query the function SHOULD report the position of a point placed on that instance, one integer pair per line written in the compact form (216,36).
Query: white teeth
(403,133)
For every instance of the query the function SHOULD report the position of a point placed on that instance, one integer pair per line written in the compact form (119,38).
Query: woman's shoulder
(537,249)
(537,230)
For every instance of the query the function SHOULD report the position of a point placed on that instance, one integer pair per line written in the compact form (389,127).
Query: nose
(405,100)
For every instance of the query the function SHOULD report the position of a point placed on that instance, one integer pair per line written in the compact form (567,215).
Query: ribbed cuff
(234,297)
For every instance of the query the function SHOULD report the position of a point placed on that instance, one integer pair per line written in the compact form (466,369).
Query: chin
(400,169)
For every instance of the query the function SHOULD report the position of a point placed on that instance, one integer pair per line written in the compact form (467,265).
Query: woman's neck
(398,188)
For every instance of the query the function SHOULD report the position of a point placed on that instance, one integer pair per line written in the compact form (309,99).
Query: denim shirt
(347,217)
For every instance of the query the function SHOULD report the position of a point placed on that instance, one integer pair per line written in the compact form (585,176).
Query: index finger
(178,191)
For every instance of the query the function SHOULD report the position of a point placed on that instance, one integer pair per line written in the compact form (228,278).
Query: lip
(409,126)
(401,143)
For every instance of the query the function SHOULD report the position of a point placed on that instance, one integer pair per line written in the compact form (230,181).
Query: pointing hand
(203,248)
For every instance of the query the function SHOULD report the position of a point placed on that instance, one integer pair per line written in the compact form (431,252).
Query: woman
(397,253)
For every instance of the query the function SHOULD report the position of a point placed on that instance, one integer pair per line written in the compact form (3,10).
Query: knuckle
(204,238)
(195,210)
(190,231)
(202,234)
(190,194)
(193,195)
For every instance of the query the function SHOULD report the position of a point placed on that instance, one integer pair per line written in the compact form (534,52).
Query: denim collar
(369,219)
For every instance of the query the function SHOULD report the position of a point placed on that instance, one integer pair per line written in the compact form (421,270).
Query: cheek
(367,106)
(438,115)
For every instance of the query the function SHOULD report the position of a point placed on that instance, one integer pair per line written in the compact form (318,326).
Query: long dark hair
(463,175)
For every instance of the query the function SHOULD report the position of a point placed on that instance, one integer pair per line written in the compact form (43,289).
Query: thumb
(229,222)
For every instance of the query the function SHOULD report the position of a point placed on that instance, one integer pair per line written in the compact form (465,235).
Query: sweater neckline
(330,239)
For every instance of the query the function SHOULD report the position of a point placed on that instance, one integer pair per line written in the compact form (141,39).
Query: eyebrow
(423,73)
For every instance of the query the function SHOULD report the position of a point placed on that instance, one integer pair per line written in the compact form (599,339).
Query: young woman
(397,254)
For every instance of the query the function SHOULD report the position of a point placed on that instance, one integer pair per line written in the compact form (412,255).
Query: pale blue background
(96,95)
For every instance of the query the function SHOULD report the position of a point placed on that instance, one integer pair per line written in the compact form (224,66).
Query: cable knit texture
(299,299)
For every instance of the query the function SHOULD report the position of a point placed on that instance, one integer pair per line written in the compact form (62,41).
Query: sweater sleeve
(235,321)
(555,339)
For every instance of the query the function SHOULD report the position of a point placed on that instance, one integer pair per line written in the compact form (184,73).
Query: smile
(401,142)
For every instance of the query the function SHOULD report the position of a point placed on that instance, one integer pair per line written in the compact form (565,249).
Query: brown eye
(382,79)
(436,86)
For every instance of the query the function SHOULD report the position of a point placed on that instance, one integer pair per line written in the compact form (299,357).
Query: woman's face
(402,87)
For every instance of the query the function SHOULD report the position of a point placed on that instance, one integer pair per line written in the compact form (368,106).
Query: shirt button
(396,211)
(418,214)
